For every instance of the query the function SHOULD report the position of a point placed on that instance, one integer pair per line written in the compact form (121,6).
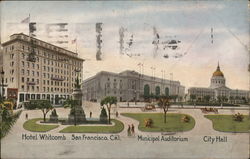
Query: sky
(195,24)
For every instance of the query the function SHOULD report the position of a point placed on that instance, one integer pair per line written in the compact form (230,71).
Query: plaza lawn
(31,125)
(118,127)
(225,123)
(174,122)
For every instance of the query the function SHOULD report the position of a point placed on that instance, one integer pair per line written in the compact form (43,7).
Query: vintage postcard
(125,79)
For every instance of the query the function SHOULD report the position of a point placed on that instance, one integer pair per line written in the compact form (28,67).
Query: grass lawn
(118,127)
(225,123)
(173,124)
(31,125)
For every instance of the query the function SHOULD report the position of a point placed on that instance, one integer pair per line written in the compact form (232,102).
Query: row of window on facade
(52,57)
(218,81)
(23,97)
(45,89)
(57,70)
(49,55)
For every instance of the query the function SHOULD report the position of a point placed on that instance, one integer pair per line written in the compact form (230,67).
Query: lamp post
(2,84)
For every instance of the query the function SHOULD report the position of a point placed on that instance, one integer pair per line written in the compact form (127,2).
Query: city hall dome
(218,72)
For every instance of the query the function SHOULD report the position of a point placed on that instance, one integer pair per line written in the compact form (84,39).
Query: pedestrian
(133,129)
(128,104)
(129,130)
(26,116)
(90,114)
(116,114)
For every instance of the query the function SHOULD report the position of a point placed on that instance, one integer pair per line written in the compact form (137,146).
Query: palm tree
(7,120)
(109,101)
(164,103)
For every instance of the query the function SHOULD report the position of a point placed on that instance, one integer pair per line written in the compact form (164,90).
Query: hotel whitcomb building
(128,86)
(218,89)
(34,69)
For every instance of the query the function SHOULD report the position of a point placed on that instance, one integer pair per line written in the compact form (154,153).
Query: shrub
(54,112)
(238,117)
(148,123)
(103,116)
(185,119)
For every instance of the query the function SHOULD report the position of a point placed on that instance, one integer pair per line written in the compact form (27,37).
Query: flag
(26,20)
(74,41)
(32,27)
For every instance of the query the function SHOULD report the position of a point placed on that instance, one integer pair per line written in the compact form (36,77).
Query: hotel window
(23,47)
(44,75)
(28,72)
(12,64)
(11,56)
(22,79)
(37,81)
(28,64)
(44,68)
(33,65)
(33,88)
(44,61)
(37,66)
(23,56)
(44,89)
(37,74)
(28,79)
(22,87)
(23,63)
(33,73)
(12,71)
(37,88)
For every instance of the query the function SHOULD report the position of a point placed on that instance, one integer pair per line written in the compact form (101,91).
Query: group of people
(131,130)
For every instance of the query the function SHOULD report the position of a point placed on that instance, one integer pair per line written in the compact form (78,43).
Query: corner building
(50,75)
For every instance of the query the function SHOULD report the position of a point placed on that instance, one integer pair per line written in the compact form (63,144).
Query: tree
(109,101)
(45,107)
(163,103)
(174,97)
(207,98)
(231,98)
(192,97)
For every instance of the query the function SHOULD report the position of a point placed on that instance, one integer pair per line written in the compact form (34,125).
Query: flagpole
(76,45)
(29,25)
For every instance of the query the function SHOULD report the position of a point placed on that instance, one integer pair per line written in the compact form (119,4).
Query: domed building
(218,79)
(217,90)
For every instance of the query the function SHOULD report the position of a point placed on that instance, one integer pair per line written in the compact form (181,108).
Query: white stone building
(217,90)
(128,86)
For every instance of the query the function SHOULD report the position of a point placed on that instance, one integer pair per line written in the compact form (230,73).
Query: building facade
(49,74)
(128,86)
(217,90)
